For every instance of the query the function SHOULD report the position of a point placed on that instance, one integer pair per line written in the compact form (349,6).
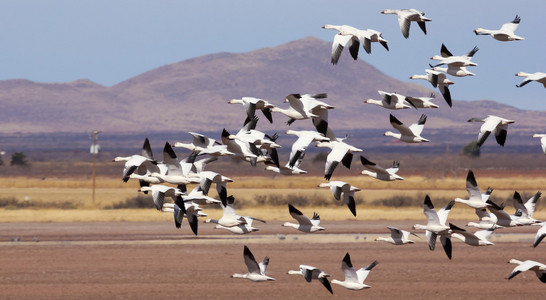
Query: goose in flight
(439,80)
(343,189)
(406,16)
(422,102)
(202,145)
(354,280)
(455,61)
(505,33)
(159,192)
(542,141)
(256,271)
(242,228)
(340,152)
(478,238)
(210,177)
(436,225)
(475,198)
(379,172)
(528,265)
(139,163)
(310,273)
(537,76)
(408,134)
(303,106)
(503,219)
(494,124)
(524,212)
(305,137)
(229,217)
(304,224)
(486,220)
(398,237)
(541,234)
(342,41)
(251,104)
(391,101)
(175,173)
(182,208)
(366,38)
(454,70)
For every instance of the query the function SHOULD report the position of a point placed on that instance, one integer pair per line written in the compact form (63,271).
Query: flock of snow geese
(254,146)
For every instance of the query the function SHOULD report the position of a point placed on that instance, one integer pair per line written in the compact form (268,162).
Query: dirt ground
(154,260)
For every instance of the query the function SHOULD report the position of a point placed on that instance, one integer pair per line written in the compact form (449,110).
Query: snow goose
(197,196)
(209,177)
(439,80)
(537,76)
(287,169)
(379,172)
(541,234)
(304,224)
(242,150)
(422,102)
(408,134)
(406,16)
(302,106)
(486,220)
(366,37)
(251,104)
(342,41)
(436,225)
(310,273)
(398,237)
(542,141)
(522,266)
(475,197)
(455,61)
(340,152)
(478,238)
(341,189)
(244,228)
(175,174)
(524,212)
(354,280)
(229,217)
(182,209)
(202,145)
(454,70)
(494,124)
(503,219)
(159,192)
(139,163)
(256,272)
(505,33)
(390,101)
(305,137)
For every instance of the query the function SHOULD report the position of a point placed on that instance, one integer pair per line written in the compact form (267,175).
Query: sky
(109,41)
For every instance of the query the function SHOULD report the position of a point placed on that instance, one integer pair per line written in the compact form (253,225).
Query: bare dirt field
(154,260)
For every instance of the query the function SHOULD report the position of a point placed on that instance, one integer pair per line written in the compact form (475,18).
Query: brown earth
(154,260)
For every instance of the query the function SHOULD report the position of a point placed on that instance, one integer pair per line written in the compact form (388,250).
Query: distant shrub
(139,201)
(407,201)
(19,159)
(13,203)
(298,200)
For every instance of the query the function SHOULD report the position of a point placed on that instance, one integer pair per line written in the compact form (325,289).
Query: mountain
(192,95)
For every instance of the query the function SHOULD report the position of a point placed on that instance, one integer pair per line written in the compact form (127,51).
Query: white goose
(408,134)
(340,152)
(422,102)
(343,189)
(503,219)
(229,217)
(210,177)
(159,192)
(541,234)
(494,124)
(454,70)
(304,224)
(455,61)
(505,33)
(342,41)
(379,172)
(303,106)
(256,272)
(524,212)
(175,174)
(398,237)
(354,280)
(537,76)
(522,266)
(310,273)
(436,225)
(287,169)
(139,163)
(202,145)
(486,220)
(478,238)
(439,80)
(244,228)
(251,104)
(542,141)
(305,137)
(391,101)
(367,37)
(406,16)
(475,198)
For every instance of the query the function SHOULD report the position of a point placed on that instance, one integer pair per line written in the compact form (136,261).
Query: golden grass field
(246,189)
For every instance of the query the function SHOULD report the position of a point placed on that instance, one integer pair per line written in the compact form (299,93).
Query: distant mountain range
(192,95)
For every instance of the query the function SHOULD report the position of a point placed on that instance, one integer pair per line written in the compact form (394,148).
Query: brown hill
(192,95)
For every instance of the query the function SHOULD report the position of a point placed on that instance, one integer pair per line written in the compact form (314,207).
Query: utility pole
(95,148)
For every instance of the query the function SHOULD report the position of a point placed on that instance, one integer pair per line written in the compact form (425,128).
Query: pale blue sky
(109,41)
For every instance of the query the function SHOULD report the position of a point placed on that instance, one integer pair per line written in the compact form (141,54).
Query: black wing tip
(422,119)
(493,204)
(294,210)
(393,119)
(428,202)
(454,227)
(347,260)
(517,19)
(365,161)
(372,265)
